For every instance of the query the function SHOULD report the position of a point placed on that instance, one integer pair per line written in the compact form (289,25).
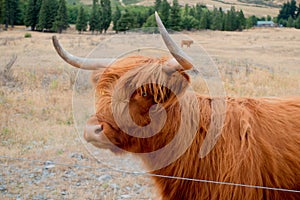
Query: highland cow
(258,146)
(186,43)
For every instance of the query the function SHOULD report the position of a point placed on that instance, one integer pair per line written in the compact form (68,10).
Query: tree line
(289,15)
(56,15)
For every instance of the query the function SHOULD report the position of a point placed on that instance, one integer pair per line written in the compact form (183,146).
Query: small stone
(104,178)
(69,173)
(114,186)
(2,188)
(48,187)
(49,164)
(38,197)
(128,188)
(78,156)
(138,191)
(45,173)
(125,196)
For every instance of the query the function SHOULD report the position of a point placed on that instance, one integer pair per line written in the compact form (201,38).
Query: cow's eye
(144,94)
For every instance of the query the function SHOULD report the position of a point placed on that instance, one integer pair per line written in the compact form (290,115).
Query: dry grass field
(259,9)
(43,157)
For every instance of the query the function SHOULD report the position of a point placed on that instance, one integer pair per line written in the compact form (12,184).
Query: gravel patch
(51,180)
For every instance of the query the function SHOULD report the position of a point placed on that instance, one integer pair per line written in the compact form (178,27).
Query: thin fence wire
(152,175)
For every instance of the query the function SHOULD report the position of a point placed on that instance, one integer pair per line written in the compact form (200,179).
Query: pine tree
(31,16)
(150,22)
(251,21)
(298,11)
(100,24)
(227,22)
(61,19)
(13,12)
(198,11)
(231,20)
(72,13)
(1,12)
(204,20)
(116,17)
(293,9)
(241,20)
(94,17)
(290,22)
(106,14)
(192,11)
(157,5)
(5,13)
(20,12)
(283,12)
(125,22)
(216,19)
(188,22)
(47,15)
(288,9)
(297,22)
(175,18)
(10,11)
(164,12)
(81,23)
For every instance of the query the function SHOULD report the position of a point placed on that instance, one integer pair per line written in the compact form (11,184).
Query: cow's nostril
(99,129)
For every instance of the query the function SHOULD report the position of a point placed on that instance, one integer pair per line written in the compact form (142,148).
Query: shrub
(27,35)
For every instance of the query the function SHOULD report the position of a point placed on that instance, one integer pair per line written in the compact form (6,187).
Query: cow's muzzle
(92,132)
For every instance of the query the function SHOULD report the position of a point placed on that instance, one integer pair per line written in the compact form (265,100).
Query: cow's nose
(91,132)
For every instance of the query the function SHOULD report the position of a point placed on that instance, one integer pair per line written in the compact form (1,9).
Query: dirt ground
(42,154)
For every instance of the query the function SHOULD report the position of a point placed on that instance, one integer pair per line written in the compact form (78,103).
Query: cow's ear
(95,76)
(179,82)
(175,85)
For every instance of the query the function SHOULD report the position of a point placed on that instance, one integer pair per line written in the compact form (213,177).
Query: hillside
(250,7)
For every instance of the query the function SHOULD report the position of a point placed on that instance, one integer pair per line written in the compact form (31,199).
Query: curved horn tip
(54,38)
(181,57)
(158,20)
(80,62)
(56,43)
(156,15)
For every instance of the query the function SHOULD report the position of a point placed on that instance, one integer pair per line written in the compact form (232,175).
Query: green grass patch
(27,35)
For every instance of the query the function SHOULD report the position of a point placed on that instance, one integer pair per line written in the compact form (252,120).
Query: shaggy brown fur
(259,144)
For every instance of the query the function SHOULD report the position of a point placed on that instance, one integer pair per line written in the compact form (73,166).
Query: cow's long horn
(182,58)
(82,63)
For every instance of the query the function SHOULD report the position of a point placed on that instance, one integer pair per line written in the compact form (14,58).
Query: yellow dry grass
(36,116)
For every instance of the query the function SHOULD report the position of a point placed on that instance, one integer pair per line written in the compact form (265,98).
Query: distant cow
(259,143)
(186,43)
